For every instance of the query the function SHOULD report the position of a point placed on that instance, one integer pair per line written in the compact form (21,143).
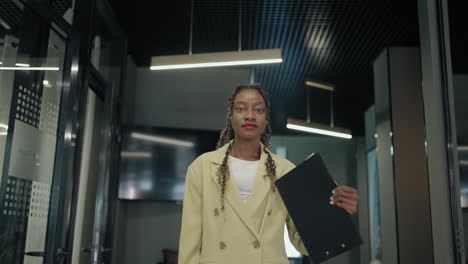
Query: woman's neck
(246,150)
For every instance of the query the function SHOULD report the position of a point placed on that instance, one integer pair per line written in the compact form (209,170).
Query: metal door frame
(84,75)
(440,133)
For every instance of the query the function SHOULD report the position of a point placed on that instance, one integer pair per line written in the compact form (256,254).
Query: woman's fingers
(349,208)
(351,196)
(346,198)
(341,200)
(346,189)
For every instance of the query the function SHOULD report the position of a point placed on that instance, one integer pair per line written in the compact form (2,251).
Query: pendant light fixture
(311,127)
(216,59)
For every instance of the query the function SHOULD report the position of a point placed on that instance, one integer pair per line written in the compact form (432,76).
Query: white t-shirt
(244,174)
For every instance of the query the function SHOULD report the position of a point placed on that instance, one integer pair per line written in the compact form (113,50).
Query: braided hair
(227,134)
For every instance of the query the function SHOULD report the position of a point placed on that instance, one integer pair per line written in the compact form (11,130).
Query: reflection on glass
(65,8)
(30,88)
(458,43)
(102,48)
(460,87)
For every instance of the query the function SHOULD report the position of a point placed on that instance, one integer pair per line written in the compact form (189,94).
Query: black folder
(326,230)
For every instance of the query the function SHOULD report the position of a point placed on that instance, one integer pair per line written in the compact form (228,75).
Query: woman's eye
(260,110)
(240,109)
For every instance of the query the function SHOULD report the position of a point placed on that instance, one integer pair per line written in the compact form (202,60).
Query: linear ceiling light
(321,85)
(318,128)
(5,24)
(216,59)
(3,129)
(163,140)
(307,126)
(29,68)
(462,148)
(136,154)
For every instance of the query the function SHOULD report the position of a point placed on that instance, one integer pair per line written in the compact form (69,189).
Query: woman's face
(249,115)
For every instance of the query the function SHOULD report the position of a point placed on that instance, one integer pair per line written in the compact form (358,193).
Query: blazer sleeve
(191,228)
(294,237)
(292,230)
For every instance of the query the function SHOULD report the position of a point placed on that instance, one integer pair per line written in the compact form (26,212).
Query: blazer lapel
(258,201)
(232,194)
(261,186)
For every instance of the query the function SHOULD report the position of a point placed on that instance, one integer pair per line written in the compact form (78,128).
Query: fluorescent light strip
(215,64)
(4,133)
(216,59)
(22,65)
(163,140)
(135,154)
(320,85)
(319,131)
(463,162)
(4,24)
(29,68)
(462,148)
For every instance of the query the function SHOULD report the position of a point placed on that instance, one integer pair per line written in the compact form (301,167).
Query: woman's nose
(250,114)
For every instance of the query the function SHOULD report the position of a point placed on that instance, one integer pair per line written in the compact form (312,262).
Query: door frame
(78,73)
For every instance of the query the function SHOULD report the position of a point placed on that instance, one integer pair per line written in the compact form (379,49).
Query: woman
(232,212)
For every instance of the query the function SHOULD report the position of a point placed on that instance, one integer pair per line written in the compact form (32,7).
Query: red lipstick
(249,126)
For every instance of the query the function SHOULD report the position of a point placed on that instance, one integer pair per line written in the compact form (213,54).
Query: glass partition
(31,81)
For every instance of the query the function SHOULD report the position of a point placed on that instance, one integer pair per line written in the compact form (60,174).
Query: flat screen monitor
(154,161)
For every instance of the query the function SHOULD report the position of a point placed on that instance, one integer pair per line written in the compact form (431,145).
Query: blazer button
(269,212)
(222,245)
(256,244)
(216,212)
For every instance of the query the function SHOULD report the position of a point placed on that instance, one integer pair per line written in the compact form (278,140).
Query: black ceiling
(330,40)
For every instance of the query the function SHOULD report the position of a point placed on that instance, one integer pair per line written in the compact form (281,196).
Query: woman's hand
(346,198)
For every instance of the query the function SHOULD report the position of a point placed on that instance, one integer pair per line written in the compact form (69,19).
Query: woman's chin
(248,137)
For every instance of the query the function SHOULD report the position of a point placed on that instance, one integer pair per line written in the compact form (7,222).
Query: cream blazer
(242,233)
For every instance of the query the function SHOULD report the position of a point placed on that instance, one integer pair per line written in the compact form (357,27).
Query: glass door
(91,223)
(32,59)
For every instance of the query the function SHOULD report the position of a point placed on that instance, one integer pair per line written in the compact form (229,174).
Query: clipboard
(326,230)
